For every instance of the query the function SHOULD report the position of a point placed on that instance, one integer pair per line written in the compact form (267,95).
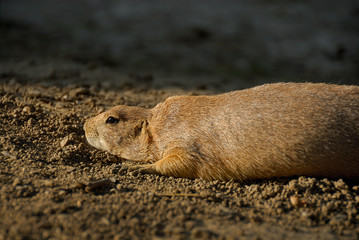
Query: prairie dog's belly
(265,138)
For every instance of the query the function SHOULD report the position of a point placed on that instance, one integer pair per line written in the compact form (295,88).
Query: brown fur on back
(273,130)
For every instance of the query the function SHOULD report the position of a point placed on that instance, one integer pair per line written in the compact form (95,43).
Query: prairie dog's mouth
(96,142)
(92,135)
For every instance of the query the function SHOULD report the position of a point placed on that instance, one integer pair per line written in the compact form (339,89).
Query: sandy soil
(53,185)
(49,187)
(48,182)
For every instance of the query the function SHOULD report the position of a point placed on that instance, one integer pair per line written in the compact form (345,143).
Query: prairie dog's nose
(89,124)
(85,124)
(85,127)
(90,128)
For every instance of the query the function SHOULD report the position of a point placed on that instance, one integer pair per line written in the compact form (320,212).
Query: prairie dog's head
(118,130)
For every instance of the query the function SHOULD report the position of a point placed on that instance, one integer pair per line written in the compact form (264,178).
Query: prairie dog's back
(272,130)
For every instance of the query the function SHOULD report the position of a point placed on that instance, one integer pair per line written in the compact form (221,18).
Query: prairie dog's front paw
(135,169)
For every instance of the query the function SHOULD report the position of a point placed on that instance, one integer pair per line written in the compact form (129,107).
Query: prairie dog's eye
(112,120)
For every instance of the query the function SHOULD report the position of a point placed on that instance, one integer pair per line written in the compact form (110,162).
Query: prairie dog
(273,130)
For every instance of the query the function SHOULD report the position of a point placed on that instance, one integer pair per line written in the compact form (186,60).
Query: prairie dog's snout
(92,134)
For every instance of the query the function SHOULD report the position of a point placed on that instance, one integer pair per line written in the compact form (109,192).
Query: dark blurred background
(209,44)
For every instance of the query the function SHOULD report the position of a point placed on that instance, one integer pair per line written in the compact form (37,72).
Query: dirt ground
(48,179)
(53,185)
(49,187)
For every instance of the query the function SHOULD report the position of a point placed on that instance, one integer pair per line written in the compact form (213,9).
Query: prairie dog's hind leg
(176,164)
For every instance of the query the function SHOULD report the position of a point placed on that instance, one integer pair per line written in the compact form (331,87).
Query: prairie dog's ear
(144,124)
(141,127)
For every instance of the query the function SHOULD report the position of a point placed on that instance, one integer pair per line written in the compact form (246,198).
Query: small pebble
(70,169)
(113,159)
(79,203)
(28,109)
(92,186)
(31,122)
(49,183)
(16,182)
(296,201)
(64,141)
(62,193)
(105,221)
(78,91)
(9,155)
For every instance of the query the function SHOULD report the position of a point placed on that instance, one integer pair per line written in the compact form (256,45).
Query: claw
(123,168)
(136,169)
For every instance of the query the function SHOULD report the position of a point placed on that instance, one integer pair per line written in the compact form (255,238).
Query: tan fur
(274,130)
